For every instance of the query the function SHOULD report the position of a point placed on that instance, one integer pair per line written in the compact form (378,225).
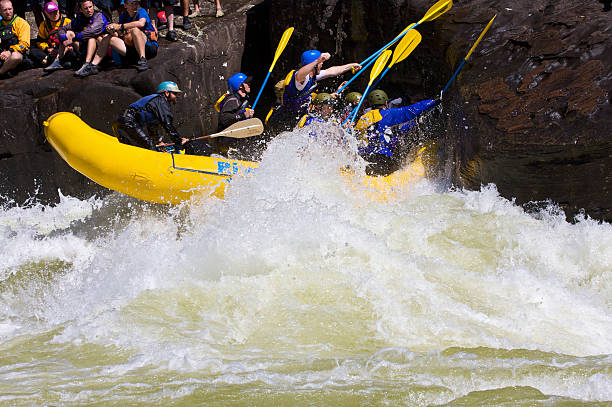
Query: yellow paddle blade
(480,37)
(281,46)
(408,28)
(379,65)
(437,10)
(405,47)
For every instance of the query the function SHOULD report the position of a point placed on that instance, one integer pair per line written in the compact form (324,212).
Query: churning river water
(298,290)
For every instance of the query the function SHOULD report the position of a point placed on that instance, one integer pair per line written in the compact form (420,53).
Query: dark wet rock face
(530,111)
(538,101)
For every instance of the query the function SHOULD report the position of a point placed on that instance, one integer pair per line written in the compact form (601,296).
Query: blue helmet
(310,56)
(168,86)
(234,82)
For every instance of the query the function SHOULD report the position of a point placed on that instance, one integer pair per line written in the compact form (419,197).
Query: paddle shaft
(356,108)
(261,89)
(242,129)
(370,60)
(279,50)
(467,56)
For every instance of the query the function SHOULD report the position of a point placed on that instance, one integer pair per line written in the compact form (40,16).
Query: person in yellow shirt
(47,42)
(14,38)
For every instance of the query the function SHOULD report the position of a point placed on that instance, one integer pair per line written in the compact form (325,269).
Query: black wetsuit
(139,125)
(232,110)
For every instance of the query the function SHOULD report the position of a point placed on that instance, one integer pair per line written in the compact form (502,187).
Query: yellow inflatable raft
(144,174)
(172,178)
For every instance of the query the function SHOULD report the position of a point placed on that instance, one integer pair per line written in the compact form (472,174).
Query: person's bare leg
(220,12)
(140,39)
(185,14)
(101,50)
(170,17)
(196,8)
(92,45)
(153,16)
(12,62)
(118,45)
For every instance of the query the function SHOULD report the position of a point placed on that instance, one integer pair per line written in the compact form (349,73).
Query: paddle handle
(261,89)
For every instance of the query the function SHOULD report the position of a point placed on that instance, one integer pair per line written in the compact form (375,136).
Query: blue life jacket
(146,118)
(384,126)
(295,100)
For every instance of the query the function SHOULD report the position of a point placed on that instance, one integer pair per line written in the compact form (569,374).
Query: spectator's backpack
(7,37)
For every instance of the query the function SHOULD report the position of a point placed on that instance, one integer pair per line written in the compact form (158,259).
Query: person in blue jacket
(381,128)
(140,123)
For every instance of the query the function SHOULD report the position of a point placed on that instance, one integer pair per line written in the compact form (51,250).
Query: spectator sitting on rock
(169,8)
(14,38)
(48,42)
(87,29)
(134,38)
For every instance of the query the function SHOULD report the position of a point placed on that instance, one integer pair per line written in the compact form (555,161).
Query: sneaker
(142,65)
(55,65)
(195,14)
(161,26)
(220,13)
(186,23)
(87,69)
(171,36)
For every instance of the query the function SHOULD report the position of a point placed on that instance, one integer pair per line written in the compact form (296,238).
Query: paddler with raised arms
(299,85)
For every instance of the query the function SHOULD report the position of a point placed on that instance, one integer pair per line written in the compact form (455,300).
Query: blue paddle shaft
(381,76)
(359,105)
(399,37)
(370,60)
(261,90)
(454,76)
(373,86)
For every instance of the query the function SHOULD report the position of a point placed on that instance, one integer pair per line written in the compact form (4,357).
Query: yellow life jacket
(364,122)
(220,100)
(368,119)
(268,116)
(302,121)
(286,83)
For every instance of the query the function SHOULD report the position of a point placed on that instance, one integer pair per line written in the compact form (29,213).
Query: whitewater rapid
(298,290)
